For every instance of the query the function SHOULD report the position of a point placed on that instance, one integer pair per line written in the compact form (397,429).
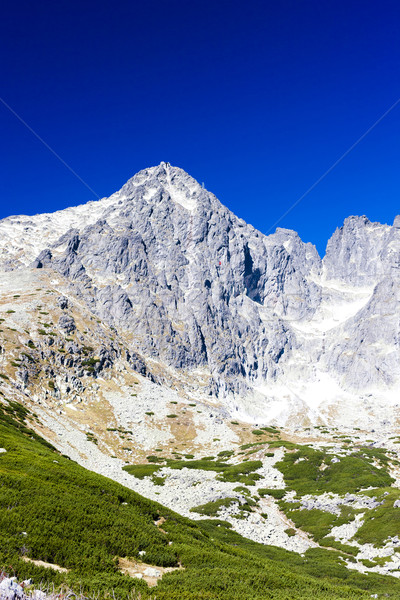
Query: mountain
(158,340)
(208,301)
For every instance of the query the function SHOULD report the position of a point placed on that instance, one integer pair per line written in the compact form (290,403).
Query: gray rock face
(11,590)
(198,286)
(366,351)
(62,302)
(42,260)
(67,323)
(361,252)
(201,291)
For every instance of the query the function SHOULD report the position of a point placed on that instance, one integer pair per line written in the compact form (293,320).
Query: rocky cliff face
(198,291)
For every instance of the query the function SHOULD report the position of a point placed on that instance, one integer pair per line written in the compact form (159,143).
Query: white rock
(151,572)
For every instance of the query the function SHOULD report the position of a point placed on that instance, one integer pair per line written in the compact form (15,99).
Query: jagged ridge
(199,290)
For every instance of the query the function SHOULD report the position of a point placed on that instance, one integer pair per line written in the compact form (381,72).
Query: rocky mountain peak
(165,182)
(203,295)
(396,222)
(353,253)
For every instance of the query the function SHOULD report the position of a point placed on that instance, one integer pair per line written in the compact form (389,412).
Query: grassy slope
(82,521)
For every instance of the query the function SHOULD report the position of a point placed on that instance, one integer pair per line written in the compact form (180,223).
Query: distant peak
(356,219)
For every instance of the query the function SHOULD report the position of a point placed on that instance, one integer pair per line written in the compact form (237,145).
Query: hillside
(53,510)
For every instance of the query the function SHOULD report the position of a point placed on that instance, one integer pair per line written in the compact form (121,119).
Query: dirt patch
(46,565)
(149,573)
(160,522)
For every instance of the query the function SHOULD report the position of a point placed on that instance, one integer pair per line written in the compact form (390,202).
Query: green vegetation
(324,565)
(87,349)
(152,458)
(330,542)
(226,453)
(13,415)
(90,362)
(290,532)
(309,471)
(141,471)
(246,446)
(242,490)
(284,444)
(275,493)
(241,473)
(158,480)
(92,438)
(212,508)
(83,522)
(383,521)
(317,522)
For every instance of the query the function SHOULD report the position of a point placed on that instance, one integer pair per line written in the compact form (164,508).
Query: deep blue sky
(255,98)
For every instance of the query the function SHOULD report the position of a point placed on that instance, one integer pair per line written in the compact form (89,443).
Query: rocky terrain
(10,589)
(155,327)
(260,321)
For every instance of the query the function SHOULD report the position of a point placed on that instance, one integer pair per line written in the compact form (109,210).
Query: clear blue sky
(255,98)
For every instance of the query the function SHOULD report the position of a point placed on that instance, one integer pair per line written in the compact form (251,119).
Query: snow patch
(181,197)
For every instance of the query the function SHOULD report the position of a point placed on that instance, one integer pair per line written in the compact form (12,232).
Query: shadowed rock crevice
(252,277)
